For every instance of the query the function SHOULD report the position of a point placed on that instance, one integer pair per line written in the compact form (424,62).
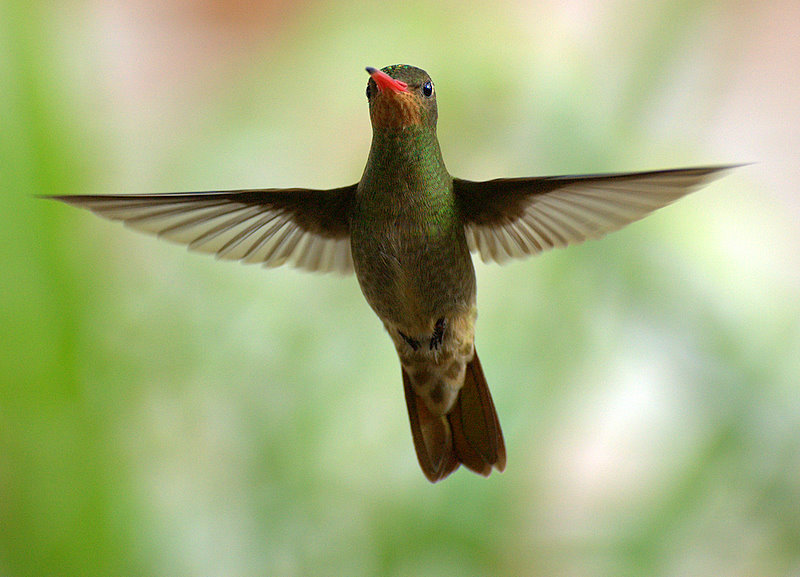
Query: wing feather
(308,228)
(516,217)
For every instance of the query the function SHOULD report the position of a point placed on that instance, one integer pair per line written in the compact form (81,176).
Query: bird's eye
(427,89)
(369,91)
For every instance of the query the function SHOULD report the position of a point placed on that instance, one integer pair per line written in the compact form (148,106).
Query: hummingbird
(407,229)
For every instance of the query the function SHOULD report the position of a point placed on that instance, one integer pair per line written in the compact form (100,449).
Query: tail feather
(469,434)
(474,423)
(432,437)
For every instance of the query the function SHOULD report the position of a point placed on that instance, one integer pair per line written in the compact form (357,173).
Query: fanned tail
(469,434)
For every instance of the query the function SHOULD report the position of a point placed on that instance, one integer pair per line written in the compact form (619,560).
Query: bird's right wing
(307,228)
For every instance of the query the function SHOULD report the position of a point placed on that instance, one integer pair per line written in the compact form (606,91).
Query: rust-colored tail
(469,434)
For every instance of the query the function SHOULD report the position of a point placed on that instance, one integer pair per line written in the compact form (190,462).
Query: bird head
(401,96)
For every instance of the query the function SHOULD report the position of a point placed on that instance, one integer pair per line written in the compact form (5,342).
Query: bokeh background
(165,414)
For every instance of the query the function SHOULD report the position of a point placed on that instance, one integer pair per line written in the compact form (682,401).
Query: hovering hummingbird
(407,229)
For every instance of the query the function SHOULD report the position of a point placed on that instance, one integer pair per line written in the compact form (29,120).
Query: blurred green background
(165,414)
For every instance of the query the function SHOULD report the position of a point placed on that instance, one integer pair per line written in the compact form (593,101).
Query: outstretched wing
(517,217)
(307,228)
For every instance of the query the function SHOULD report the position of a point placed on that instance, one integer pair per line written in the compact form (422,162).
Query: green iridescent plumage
(407,229)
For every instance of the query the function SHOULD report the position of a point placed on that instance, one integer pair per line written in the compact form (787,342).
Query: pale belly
(424,292)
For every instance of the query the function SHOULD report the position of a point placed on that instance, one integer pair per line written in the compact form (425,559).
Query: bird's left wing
(517,217)
(304,227)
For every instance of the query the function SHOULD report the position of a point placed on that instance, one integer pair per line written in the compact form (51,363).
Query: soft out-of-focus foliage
(161,413)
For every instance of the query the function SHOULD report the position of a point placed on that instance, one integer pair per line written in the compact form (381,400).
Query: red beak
(386,82)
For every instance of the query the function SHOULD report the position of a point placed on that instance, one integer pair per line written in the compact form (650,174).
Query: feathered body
(407,229)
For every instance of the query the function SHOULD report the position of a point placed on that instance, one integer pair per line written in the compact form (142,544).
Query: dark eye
(427,89)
